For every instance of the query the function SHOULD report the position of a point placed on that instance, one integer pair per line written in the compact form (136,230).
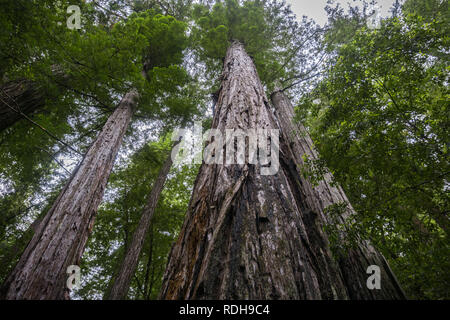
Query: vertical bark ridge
(248,236)
(353,264)
(61,237)
(244,235)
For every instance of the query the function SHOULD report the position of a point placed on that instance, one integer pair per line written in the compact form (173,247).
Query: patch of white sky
(315,9)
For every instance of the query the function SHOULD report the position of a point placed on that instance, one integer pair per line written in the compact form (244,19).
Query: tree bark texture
(355,260)
(129,264)
(61,237)
(248,236)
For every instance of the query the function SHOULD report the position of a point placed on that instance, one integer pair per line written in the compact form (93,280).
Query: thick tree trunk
(248,236)
(19,98)
(129,264)
(60,239)
(354,261)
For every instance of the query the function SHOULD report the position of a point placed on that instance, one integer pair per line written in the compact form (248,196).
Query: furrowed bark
(129,264)
(353,262)
(248,236)
(60,238)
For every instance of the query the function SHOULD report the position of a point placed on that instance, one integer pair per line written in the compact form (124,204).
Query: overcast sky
(315,8)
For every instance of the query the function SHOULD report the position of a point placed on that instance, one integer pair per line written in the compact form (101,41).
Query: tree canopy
(379,119)
(375,101)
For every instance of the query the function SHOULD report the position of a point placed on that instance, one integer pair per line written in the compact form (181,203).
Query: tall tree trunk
(129,264)
(354,260)
(147,280)
(60,238)
(248,236)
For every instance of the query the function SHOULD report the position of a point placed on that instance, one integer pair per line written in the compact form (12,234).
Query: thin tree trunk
(152,282)
(353,262)
(148,266)
(60,239)
(248,236)
(122,281)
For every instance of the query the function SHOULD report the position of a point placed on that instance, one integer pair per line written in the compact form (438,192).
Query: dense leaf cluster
(380,120)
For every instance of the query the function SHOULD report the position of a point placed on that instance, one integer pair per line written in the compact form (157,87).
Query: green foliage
(428,10)
(126,196)
(83,74)
(343,234)
(380,121)
(379,118)
(268,29)
(228,21)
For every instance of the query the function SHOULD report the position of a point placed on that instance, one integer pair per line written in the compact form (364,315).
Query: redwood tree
(352,255)
(19,99)
(122,279)
(248,236)
(60,239)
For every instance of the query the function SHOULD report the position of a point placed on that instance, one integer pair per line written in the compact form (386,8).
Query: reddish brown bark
(248,236)
(353,261)
(60,238)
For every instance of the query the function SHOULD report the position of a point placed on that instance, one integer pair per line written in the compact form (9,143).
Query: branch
(301,76)
(109,11)
(300,81)
(35,123)
(55,159)
(294,53)
(418,185)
